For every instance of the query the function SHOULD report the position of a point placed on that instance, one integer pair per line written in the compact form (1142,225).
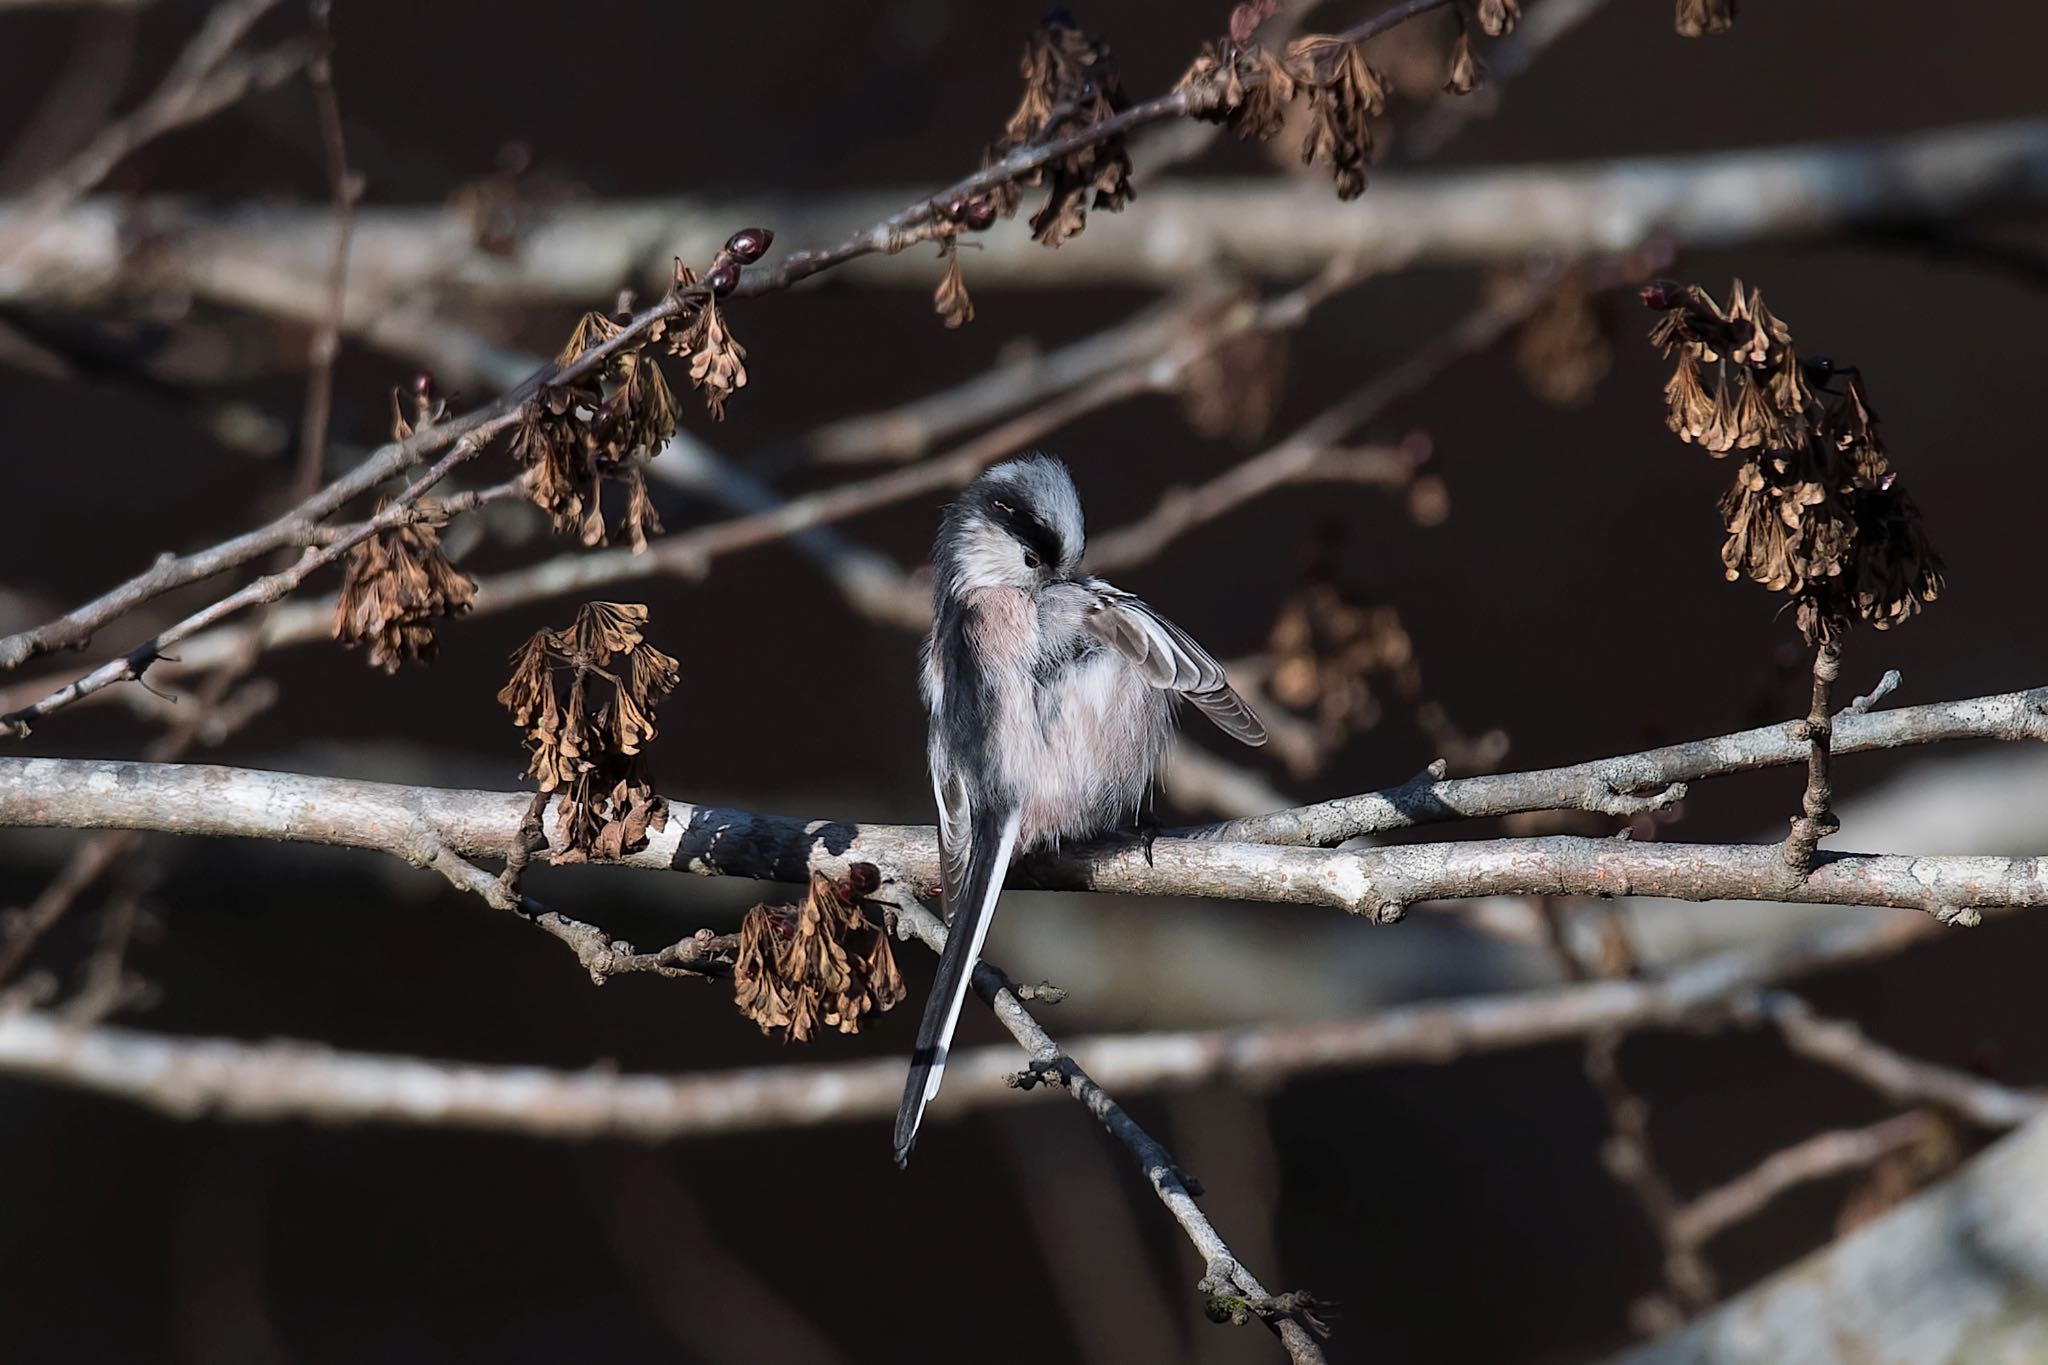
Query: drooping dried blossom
(1498,17)
(586,697)
(395,585)
(717,360)
(1233,390)
(823,964)
(950,300)
(1815,510)
(1070,83)
(1699,18)
(1467,71)
(1561,348)
(1344,96)
(1328,650)
(577,434)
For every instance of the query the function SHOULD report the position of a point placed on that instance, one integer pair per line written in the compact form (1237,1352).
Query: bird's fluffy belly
(1080,765)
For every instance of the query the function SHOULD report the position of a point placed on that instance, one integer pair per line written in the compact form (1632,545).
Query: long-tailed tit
(1052,697)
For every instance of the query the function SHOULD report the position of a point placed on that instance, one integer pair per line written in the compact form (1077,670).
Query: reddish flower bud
(725,273)
(1662,295)
(749,244)
(978,214)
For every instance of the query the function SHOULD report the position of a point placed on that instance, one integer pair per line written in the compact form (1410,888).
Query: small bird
(1052,697)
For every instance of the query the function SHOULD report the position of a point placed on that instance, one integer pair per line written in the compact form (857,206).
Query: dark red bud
(423,384)
(749,244)
(725,273)
(978,214)
(862,879)
(1662,295)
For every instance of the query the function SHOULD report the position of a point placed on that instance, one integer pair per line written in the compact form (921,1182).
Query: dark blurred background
(1572,599)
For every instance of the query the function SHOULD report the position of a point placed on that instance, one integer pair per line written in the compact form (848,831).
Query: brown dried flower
(1070,83)
(1814,510)
(1328,649)
(717,360)
(394,585)
(1699,18)
(1234,390)
(601,426)
(950,299)
(1561,348)
(1344,96)
(586,697)
(823,964)
(1467,71)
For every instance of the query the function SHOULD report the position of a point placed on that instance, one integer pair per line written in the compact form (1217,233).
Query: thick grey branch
(246,803)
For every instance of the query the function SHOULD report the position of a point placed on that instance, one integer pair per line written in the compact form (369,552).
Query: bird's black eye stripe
(1038,538)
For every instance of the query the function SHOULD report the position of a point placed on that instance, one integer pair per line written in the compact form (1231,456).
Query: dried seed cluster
(1815,510)
(1328,651)
(603,426)
(1698,18)
(1249,86)
(394,586)
(1562,349)
(823,964)
(1234,389)
(586,697)
(1070,83)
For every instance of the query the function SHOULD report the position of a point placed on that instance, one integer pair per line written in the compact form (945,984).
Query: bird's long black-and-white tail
(970,906)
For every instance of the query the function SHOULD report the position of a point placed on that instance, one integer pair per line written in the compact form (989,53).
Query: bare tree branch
(1632,783)
(1902,1079)
(1955,1273)
(240,802)
(191,1077)
(264,258)
(1225,1279)
(1820,1157)
(207,76)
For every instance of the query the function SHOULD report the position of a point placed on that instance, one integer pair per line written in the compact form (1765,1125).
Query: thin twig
(1225,1278)
(1815,820)
(1904,1080)
(1820,1157)
(269,588)
(206,77)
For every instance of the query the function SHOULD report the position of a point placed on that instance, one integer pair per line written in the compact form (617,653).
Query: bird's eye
(1031,561)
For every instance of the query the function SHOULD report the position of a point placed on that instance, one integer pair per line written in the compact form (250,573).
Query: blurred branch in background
(1954,1273)
(188,1077)
(208,76)
(267,259)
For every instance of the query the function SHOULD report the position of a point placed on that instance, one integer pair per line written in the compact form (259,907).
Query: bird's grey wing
(956,824)
(1166,657)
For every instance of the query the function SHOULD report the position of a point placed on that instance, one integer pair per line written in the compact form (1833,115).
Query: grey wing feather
(1166,657)
(956,822)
